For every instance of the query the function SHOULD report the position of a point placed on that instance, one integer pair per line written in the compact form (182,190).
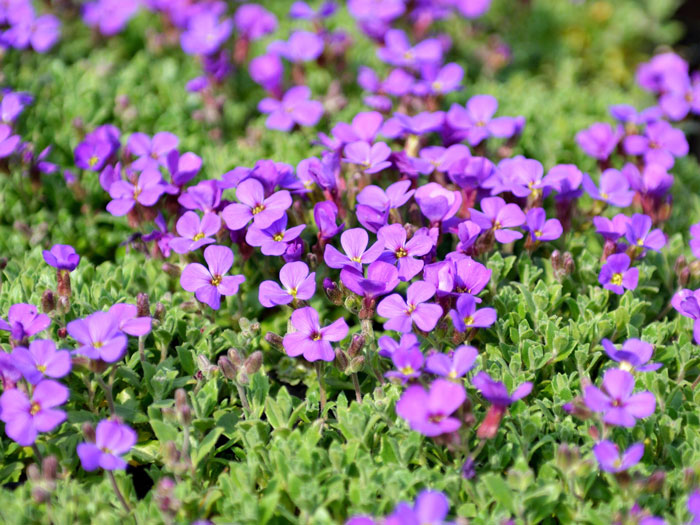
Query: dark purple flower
(310,339)
(633,355)
(616,401)
(25,417)
(436,202)
(614,188)
(660,143)
(499,216)
(41,360)
(381,279)
(8,141)
(477,122)
(354,243)
(146,192)
(297,282)
(372,158)
(452,366)
(274,239)
(466,315)
(24,321)
(151,152)
(253,21)
(600,140)
(99,337)
(92,154)
(209,284)
(608,456)
(194,232)
(616,274)
(401,314)
(641,236)
(252,204)
(62,257)
(403,253)
(429,412)
(325,216)
(294,108)
(112,440)
(408,363)
(540,228)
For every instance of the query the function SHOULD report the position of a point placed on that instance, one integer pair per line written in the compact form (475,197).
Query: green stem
(118,492)
(321,386)
(356,384)
(108,393)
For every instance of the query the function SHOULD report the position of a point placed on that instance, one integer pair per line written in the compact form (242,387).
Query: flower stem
(118,492)
(38,456)
(356,384)
(108,394)
(243,398)
(142,350)
(321,387)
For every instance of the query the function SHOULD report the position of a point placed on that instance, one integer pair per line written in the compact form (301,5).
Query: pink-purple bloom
(252,204)
(498,216)
(634,355)
(616,274)
(297,284)
(310,339)
(614,188)
(401,314)
(294,108)
(24,321)
(195,232)
(477,120)
(541,228)
(429,412)
(599,140)
(274,239)
(372,158)
(112,440)
(354,243)
(99,337)
(146,191)
(62,257)
(617,402)
(608,455)
(402,253)
(453,365)
(466,315)
(41,360)
(209,284)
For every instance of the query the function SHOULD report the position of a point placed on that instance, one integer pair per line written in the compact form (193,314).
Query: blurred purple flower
(616,401)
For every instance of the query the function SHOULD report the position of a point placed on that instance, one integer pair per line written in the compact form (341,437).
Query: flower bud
(356,364)
(62,332)
(48,301)
(63,283)
(63,305)
(171,269)
(143,307)
(228,368)
(242,378)
(235,357)
(40,494)
(341,361)
(205,365)
(358,341)
(332,292)
(253,363)
(33,472)
(160,311)
(49,467)
(89,432)
(274,340)
(567,457)
(655,482)
(181,407)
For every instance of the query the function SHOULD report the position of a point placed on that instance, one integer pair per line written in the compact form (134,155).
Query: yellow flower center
(357,259)
(452,374)
(198,237)
(258,209)
(401,252)
(626,365)
(41,368)
(604,195)
(538,233)
(137,192)
(278,237)
(93,160)
(437,86)
(411,309)
(407,370)
(216,280)
(98,344)
(469,320)
(293,292)
(640,242)
(34,408)
(316,336)
(616,279)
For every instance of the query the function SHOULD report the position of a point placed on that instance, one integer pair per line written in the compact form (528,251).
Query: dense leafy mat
(217,395)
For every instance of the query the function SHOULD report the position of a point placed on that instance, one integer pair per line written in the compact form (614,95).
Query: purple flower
(374,204)
(302,10)
(205,196)
(600,140)
(616,401)
(523,177)
(473,8)
(401,314)
(24,321)
(444,80)
(408,363)
(398,51)
(611,230)
(209,284)
(8,141)
(183,168)
(616,274)
(680,96)
(125,195)
(687,303)
(310,339)
(477,122)
(40,32)
(109,16)
(608,456)
(614,188)
(440,275)
(403,253)
(372,158)
(294,108)
(41,360)
(499,216)
(252,204)
(429,412)
(354,243)
(459,363)
(267,70)
(298,285)
(660,143)
(496,393)
(437,203)
(92,154)
(471,277)
(695,241)
(652,75)
(194,232)
(382,278)
(431,508)
(128,321)
(325,216)
(25,417)
(383,10)
(62,257)
(302,46)
(151,152)
(467,233)
(205,33)
(112,440)
(364,127)
(99,337)
(640,234)
(633,355)
(694,507)
(275,239)
(254,21)
(442,159)
(466,315)
(388,345)
(541,229)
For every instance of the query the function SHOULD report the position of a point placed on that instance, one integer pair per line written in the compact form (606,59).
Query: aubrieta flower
(301,46)
(437,203)
(268,70)
(695,239)
(8,141)
(310,339)
(151,152)
(616,274)
(694,507)
(523,177)
(204,196)
(24,321)
(205,33)
(616,401)
(441,81)
(687,303)
(354,243)
(41,360)
(401,314)
(403,253)
(364,128)
(146,192)
(477,121)
(499,216)
(431,508)
(466,316)
(681,96)
(614,188)
(26,416)
(41,32)
(388,345)
(62,257)
(297,282)
(294,108)
(455,365)
(381,279)
(209,284)
(253,21)
(660,143)
(275,239)
(496,393)
(611,229)
(183,168)
(92,154)
(599,140)
(195,232)
(407,362)
(641,236)
(442,159)
(429,412)
(109,16)
(99,337)
(467,233)
(128,319)
(302,10)
(634,355)
(374,203)
(608,455)
(471,277)
(398,51)
(372,158)
(252,204)
(112,440)
(325,216)
(540,228)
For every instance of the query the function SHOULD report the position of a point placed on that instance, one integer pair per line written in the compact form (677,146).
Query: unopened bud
(171,269)
(242,378)
(89,432)
(235,357)
(228,368)
(181,407)
(253,363)
(143,306)
(205,365)
(244,324)
(684,277)
(160,311)
(48,301)
(40,494)
(172,454)
(274,340)
(680,263)
(569,264)
(63,283)
(356,364)
(49,468)
(33,472)
(63,305)
(332,292)
(62,332)
(655,482)
(341,361)
(358,341)
(567,457)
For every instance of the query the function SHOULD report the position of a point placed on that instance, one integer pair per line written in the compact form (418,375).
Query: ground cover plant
(374,262)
